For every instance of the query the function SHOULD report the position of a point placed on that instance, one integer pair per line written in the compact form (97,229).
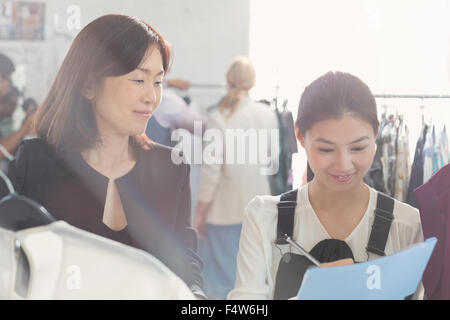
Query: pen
(303,251)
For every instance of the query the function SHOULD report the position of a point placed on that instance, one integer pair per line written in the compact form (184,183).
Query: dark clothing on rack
(433,199)
(155,196)
(374,177)
(416,178)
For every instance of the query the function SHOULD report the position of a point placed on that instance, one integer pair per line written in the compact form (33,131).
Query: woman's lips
(343,178)
(144,114)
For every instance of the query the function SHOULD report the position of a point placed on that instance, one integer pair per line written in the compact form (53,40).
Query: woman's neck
(324,199)
(109,153)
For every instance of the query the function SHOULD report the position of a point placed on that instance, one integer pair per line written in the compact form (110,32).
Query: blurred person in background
(225,189)
(10,139)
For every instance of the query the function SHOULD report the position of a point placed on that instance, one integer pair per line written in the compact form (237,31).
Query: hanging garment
(389,137)
(59,261)
(282,180)
(433,199)
(416,178)
(402,164)
(374,178)
(442,149)
(428,151)
(436,152)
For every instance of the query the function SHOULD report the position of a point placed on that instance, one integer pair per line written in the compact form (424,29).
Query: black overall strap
(381,225)
(286,211)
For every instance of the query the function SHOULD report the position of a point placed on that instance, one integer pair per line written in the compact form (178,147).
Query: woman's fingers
(337,263)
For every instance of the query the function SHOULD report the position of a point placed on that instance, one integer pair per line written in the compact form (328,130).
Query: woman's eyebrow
(149,72)
(332,143)
(360,139)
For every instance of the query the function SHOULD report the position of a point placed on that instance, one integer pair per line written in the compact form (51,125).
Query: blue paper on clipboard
(392,277)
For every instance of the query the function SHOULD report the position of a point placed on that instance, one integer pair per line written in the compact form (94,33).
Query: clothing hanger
(18,212)
(424,125)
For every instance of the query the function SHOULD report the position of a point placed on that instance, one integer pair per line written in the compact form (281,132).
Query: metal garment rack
(381,96)
(411,96)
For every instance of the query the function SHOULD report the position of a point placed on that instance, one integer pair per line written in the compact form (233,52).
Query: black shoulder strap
(381,225)
(286,211)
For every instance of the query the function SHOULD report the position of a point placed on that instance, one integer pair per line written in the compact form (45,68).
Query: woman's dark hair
(332,96)
(112,45)
(29,102)
(12,93)
(6,66)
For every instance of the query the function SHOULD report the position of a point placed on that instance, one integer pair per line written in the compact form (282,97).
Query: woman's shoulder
(405,216)
(35,144)
(163,152)
(266,206)
(263,208)
(166,159)
(36,152)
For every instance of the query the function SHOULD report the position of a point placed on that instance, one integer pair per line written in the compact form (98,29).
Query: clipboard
(393,277)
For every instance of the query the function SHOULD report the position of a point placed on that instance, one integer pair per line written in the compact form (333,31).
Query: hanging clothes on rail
(374,177)
(389,137)
(428,151)
(416,178)
(442,150)
(403,168)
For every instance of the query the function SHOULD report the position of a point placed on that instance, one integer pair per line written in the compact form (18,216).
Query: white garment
(258,257)
(70,263)
(403,167)
(428,150)
(231,185)
(442,149)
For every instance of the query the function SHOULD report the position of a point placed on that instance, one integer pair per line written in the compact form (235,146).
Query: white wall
(396,47)
(205,34)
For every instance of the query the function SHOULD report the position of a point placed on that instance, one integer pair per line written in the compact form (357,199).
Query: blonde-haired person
(227,185)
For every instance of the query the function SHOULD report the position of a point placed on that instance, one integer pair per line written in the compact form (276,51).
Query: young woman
(337,125)
(92,164)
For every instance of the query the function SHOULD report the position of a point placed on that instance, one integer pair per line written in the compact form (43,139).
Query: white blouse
(258,256)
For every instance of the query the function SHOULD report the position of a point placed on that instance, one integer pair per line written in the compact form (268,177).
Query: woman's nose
(149,96)
(344,162)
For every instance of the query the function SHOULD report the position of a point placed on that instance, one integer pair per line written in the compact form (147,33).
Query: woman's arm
(200,218)
(189,265)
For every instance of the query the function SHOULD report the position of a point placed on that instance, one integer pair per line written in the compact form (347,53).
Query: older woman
(92,164)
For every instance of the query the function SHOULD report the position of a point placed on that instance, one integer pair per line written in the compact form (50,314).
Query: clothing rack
(207,86)
(385,96)
(411,96)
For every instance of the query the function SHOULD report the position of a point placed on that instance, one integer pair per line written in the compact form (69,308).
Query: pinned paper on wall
(22,20)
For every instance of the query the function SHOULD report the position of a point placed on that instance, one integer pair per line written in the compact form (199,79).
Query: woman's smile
(145,114)
(343,178)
